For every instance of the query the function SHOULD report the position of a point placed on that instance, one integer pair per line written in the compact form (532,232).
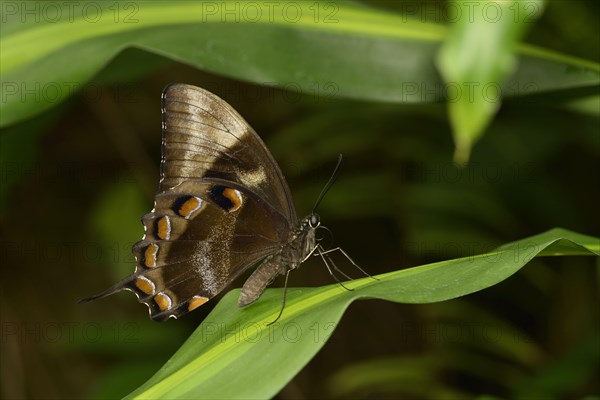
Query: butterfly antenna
(334,176)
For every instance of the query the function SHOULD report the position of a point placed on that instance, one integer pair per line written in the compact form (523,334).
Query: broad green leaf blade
(318,48)
(234,354)
(477,57)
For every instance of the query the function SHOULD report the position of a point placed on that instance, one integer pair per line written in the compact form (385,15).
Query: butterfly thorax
(299,246)
(301,243)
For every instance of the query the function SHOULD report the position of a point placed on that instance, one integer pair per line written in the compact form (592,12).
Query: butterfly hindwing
(196,244)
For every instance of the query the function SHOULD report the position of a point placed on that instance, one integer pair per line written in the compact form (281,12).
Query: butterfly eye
(314,221)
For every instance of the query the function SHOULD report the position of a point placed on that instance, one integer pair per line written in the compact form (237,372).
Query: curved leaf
(324,49)
(476,58)
(236,345)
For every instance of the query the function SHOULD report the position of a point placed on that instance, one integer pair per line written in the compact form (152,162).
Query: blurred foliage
(76,178)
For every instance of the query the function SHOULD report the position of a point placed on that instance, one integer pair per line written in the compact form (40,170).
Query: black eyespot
(314,220)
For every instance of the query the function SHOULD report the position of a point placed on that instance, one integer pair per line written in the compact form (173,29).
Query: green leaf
(326,49)
(477,58)
(235,354)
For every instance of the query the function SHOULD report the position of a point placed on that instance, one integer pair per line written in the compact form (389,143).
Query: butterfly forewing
(205,139)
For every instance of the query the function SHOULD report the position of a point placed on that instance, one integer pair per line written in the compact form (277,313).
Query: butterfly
(223,206)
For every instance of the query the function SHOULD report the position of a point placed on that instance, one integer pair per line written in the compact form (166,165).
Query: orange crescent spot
(235,197)
(188,208)
(150,255)
(164,228)
(163,301)
(196,302)
(145,285)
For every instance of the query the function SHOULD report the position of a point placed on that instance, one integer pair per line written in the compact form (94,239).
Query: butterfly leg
(349,259)
(285,286)
(329,269)
(337,269)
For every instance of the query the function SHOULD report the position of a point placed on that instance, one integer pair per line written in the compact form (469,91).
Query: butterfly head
(310,223)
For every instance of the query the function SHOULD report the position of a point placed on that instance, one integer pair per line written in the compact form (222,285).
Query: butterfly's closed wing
(205,139)
(222,206)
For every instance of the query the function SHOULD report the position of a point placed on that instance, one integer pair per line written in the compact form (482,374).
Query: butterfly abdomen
(256,284)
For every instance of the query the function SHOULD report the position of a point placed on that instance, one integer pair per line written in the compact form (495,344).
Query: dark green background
(72,201)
